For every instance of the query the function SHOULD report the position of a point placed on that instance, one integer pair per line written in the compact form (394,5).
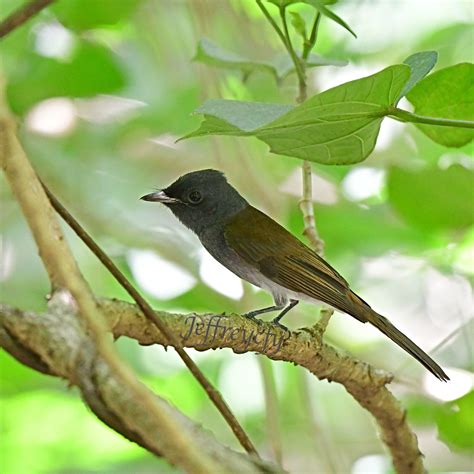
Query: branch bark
(58,344)
(211,331)
(22,15)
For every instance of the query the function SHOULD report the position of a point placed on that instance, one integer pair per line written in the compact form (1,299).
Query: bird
(259,250)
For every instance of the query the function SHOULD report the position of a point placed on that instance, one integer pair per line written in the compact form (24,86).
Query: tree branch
(22,15)
(203,332)
(58,341)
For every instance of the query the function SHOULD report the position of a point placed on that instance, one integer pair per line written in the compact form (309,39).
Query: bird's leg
(291,305)
(252,314)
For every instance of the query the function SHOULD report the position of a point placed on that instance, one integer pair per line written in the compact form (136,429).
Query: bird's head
(200,199)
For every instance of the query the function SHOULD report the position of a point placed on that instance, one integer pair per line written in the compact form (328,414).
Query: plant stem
(306,202)
(306,206)
(405,116)
(272,22)
(285,38)
(299,64)
(309,45)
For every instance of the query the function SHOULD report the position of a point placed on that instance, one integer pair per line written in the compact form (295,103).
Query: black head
(200,199)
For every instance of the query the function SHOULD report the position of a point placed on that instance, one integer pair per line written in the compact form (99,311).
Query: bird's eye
(195,197)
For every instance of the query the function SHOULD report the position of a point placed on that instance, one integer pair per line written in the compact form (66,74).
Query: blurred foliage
(102,89)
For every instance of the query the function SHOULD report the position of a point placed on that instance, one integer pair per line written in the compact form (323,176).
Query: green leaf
(92,70)
(420,64)
(280,67)
(338,126)
(456,422)
(298,24)
(447,93)
(320,5)
(212,54)
(233,117)
(284,65)
(433,198)
(87,14)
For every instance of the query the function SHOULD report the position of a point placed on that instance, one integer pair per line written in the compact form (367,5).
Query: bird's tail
(385,326)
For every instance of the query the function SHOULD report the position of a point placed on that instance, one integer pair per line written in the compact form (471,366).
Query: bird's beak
(159,196)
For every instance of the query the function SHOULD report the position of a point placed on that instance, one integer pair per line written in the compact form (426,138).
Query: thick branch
(58,343)
(22,15)
(204,332)
(365,384)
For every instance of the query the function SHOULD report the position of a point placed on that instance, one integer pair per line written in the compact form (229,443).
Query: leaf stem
(309,45)
(272,22)
(299,64)
(285,38)
(405,116)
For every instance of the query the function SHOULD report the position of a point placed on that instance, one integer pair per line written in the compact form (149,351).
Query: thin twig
(211,391)
(306,206)
(22,15)
(306,202)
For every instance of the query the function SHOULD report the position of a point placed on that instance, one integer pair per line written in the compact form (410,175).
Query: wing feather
(284,259)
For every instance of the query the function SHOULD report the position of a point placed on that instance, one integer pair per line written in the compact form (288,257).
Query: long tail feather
(385,326)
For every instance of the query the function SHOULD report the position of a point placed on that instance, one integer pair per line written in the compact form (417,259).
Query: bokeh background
(102,90)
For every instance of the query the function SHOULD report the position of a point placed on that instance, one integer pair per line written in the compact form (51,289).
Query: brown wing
(284,259)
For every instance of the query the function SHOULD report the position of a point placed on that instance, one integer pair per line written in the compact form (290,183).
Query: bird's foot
(277,323)
(252,315)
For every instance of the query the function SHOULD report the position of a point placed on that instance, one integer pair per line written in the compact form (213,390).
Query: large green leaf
(280,67)
(448,93)
(92,70)
(433,198)
(338,126)
(420,64)
(456,422)
(234,117)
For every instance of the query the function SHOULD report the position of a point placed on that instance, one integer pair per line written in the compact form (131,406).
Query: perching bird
(259,250)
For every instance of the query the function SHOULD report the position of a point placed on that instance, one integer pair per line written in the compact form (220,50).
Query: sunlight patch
(217,277)
(53,117)
(159,277)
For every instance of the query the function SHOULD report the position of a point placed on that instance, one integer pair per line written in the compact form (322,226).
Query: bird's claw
(281,326)
(252,316)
